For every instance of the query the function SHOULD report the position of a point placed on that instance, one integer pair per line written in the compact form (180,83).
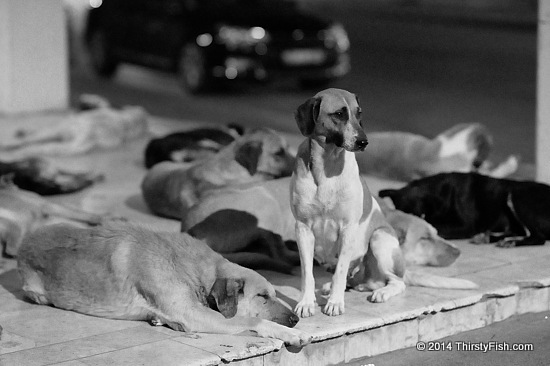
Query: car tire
(193,71)
(101,58)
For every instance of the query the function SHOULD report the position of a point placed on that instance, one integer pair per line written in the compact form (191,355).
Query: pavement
(513,282)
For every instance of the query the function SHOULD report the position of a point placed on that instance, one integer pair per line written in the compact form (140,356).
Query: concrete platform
(513,281)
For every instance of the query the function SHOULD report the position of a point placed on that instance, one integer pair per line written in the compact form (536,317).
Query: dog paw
(506,244)
(305,309)
(156,322)
(481,238)
(296,338)
(380,295)
(334,308)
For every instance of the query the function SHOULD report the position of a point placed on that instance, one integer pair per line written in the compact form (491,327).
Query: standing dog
(125,272)
(337,219)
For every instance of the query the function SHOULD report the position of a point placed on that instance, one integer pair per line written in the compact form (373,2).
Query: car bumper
(272,67)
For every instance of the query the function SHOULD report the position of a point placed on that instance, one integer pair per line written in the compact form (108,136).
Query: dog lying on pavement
(252,225)
(125,272)
(191,145)
(396,155)
(21,212)
(337,220)
(40,176)
(470,205)
(170,189)
(405,156)
(79,133)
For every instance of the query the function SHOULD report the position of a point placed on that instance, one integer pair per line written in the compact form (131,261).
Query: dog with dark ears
(470,205)
(170,189)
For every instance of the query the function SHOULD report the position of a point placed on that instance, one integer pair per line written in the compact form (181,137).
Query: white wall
(543,94)
(33,56)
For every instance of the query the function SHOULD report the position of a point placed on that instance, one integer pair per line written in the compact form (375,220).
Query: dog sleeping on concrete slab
(126,272)
(170,189)
(252,225)
(395,155)
(406,156)
(41,176)
(470,205)
(21,212)
(191,145)
(79,133)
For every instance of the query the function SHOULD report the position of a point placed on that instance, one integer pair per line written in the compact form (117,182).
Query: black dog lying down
(187,146)
(39,176)
(466,205)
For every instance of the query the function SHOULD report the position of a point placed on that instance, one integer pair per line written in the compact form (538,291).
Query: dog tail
(434,281)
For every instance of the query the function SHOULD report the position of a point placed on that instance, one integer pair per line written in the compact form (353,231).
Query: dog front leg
(386,260)
(306,245)
(346,242)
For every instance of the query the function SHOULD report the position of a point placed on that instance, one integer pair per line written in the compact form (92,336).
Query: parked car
(206,41)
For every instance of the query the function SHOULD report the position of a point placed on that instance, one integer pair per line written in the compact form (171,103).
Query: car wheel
(315,83)
(103,63)
(192,68)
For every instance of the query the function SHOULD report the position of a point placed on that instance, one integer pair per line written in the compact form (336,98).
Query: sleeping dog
(170,189)
(126,272)
(40,176)
(252,225)
(466,205)
(406,156)
(191,145)
(21,212)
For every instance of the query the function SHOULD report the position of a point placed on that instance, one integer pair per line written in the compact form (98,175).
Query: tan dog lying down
(406,156)
(79,133)
(250,223)
(126,272)
(170,189)
(22,211)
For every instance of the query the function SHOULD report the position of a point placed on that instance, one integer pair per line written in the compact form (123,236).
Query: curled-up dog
(191,145)
(407,156)
(170,189)
(125,272)
(338,221)
(469,205)
(21,212)
(252,225)
(41,176)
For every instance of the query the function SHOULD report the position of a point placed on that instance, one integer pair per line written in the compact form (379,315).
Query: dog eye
(280,153)
(265,296)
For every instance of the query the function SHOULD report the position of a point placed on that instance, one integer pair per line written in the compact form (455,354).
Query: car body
(210,40)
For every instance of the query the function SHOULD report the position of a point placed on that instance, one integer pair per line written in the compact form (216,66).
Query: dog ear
(307,114)
(224,296)
(248,155)
(387,193)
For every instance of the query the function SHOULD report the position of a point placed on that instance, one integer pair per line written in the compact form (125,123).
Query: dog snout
(361,143)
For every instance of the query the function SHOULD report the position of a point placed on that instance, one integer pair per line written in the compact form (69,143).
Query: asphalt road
(410,74)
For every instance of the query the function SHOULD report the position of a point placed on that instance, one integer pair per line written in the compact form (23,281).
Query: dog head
(419,241)
(418,200)
(265,152)
(467,142)
(333,116)
(253,296)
